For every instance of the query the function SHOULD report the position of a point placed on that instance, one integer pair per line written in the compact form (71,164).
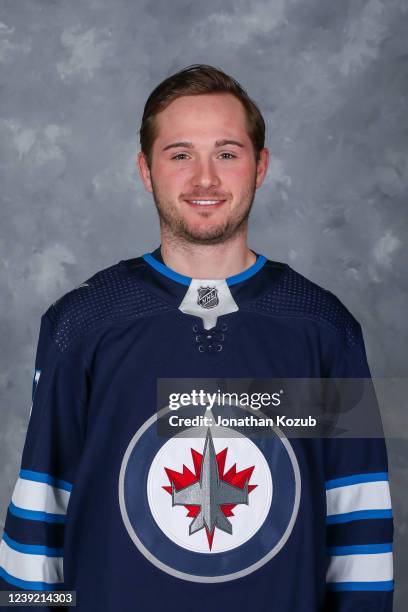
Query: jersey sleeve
(358,503)
(32,546)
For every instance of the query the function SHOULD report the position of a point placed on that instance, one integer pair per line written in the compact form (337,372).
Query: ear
(262,166)
(144,171)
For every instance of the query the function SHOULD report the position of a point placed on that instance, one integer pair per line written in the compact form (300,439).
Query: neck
(207,261)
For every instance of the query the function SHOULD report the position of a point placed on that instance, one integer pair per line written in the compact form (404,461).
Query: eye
(177,157)
(183,156)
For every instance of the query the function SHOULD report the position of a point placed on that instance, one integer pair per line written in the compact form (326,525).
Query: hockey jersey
(133,520)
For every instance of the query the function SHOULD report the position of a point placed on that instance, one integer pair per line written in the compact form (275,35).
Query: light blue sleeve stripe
(386,585)
(36,515)
(46,478)
(33,549)
(358,515)
(359,549)
(356,479)
(24,584)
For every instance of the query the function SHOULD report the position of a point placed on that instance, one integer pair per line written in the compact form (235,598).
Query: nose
(205,174)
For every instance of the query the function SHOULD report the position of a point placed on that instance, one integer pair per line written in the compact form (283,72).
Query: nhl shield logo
(207,297)
(208,508)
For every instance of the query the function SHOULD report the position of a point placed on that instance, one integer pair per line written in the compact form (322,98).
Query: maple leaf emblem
(209,493)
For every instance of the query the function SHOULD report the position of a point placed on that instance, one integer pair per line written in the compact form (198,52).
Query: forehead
(215,115)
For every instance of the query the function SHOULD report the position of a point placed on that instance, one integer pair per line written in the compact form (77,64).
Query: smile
(205,202)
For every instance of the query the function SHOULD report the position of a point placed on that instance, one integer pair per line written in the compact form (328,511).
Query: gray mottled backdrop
(331,79)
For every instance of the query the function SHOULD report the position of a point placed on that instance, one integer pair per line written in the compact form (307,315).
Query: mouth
(205,203)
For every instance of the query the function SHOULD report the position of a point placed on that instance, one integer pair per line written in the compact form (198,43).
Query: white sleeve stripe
(40,497)
(362,496)
(360,568)
(30,567)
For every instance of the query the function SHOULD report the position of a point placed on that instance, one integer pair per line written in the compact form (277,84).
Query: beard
(172,221)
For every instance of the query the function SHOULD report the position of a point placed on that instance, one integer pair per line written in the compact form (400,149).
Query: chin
(206,236)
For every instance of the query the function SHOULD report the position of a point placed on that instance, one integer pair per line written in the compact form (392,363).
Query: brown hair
(198,79)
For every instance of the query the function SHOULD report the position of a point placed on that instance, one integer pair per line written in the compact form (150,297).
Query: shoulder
(111,295)
(293,295)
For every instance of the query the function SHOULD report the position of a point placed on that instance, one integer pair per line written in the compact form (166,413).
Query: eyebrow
(189,145)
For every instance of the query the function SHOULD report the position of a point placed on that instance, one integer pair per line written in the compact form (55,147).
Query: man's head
(202,154)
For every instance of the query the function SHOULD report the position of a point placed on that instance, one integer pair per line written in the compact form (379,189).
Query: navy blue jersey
(105,506)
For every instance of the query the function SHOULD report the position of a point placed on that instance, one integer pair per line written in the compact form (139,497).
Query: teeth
(205,202)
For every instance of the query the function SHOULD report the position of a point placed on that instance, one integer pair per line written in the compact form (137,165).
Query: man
(132,519)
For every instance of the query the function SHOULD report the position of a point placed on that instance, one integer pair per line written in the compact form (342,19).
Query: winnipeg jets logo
(194,512)
(207,297)
(37,374)
(209,495)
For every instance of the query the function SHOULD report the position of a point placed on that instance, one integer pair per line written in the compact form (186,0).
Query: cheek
(172,175)
(237,176)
